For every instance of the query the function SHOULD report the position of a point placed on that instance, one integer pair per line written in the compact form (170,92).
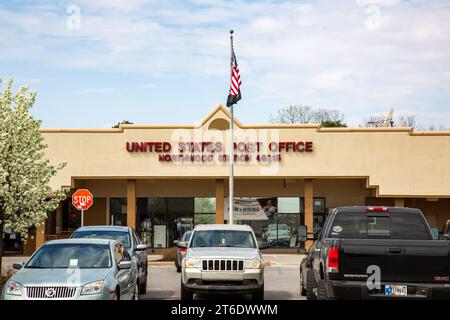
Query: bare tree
(322,115)
(438,128)
(373,121)
(293,114)
(403,120)
(407,120)
(307,114)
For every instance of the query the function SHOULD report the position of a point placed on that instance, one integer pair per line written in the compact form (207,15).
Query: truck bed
(398,260)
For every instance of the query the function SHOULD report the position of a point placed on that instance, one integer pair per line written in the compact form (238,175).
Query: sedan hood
(59,277)
(223,252)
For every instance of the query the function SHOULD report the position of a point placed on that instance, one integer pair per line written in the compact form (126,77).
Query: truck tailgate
(399,260)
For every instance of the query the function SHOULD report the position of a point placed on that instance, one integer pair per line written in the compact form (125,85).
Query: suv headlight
(192,263)
(252,264)
(13,288)
(92,288)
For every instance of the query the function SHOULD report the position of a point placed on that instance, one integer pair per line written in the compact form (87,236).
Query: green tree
(122,122)
(333,124)
(25,194)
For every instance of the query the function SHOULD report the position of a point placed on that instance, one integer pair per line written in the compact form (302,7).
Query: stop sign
(82,199)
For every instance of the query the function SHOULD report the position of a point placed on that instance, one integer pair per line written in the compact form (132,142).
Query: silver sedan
(75,269)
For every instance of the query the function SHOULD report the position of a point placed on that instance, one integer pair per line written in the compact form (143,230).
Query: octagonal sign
(82,199)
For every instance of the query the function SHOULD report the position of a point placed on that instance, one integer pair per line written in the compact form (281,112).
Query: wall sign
(208,151)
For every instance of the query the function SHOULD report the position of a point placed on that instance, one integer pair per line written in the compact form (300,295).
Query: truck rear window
(409,226)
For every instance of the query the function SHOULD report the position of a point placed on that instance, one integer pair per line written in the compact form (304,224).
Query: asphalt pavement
(281,280)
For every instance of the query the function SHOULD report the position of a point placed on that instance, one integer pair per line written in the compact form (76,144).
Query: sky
(97,62)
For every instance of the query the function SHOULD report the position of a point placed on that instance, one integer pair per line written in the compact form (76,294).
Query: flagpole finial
(231,31)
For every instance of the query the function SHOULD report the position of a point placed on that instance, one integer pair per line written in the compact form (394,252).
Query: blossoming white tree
(25,194)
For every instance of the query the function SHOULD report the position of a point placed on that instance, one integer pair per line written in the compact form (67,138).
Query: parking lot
(281,280)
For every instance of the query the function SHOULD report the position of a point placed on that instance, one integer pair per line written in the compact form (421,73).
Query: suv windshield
(222,238)
(393,226)
(123,237)
(73,255)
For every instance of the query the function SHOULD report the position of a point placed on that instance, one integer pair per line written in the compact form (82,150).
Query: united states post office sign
(209,151)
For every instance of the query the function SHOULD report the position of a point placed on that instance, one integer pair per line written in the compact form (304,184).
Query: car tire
(116,295)
(302,287)
(143,285)
(310,285)
(136,291)
(259,295)
(186,295)
(322,290)
(179,269)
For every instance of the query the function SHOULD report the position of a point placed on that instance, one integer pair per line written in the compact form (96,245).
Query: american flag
(235,87)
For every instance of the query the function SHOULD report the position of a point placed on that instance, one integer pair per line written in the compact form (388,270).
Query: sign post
(82,199)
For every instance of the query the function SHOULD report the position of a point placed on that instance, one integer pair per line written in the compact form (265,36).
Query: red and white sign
(82,199)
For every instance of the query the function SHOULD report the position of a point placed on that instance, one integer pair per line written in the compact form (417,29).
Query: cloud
(314,52)
(96,90)
(378,2)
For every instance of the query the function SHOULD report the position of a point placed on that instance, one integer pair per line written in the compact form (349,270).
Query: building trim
(318,127)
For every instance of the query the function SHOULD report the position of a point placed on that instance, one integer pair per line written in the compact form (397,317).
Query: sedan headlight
(252,264)
(92,288)
(13,288)
(192,263)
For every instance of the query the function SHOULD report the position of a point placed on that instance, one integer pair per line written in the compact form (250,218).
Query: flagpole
(231,147)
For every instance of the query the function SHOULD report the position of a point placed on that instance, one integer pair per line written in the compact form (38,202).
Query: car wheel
(116,295)
(143,285)
(310,285)
(186,294)
(179,269)
(302,287)
(136,291)
(322,290)
(258,296)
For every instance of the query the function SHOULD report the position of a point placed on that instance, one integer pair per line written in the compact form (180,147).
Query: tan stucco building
(162,179)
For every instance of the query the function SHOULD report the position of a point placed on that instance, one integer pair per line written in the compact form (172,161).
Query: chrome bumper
(249,280)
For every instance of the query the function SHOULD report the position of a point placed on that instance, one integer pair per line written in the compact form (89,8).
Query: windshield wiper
(35,267)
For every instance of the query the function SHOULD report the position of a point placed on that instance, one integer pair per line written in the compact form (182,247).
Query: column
(220,200)
(309,209)
(40,235)
(131,203)
(399,202)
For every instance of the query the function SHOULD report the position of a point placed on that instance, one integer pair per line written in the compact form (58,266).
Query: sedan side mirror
(18,265)
(141,247)
(124,265)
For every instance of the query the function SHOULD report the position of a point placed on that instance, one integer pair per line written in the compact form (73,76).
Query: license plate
(396,291)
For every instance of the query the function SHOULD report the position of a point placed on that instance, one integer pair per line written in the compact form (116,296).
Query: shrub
(3,279)
(169,254)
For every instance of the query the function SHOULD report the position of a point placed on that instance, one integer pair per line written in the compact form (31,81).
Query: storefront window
(205,210)
(319,213)
(118,211)
(163,220)
(71,217)
(288,205)
(204,218)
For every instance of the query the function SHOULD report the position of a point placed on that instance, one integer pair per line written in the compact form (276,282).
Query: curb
(161,263)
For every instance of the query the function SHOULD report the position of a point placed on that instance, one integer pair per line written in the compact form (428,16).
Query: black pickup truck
(379,253)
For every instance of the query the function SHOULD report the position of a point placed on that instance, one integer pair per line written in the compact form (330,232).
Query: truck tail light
(333,260)
(377,209)
(182,249)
